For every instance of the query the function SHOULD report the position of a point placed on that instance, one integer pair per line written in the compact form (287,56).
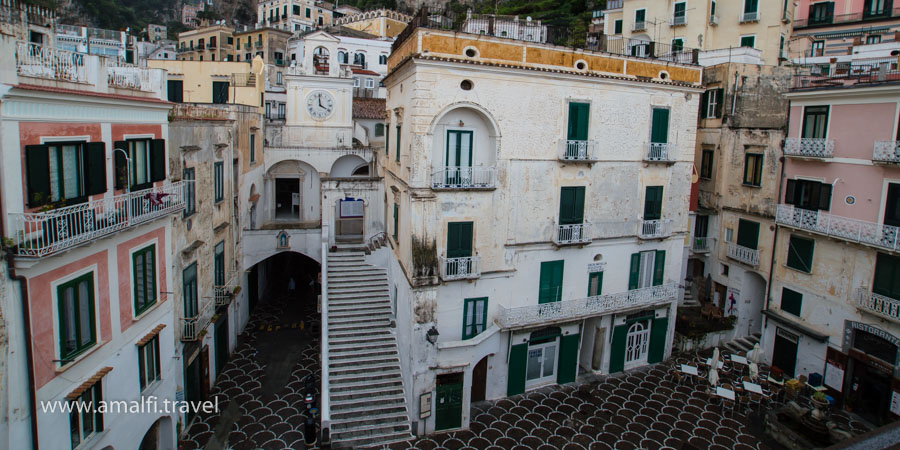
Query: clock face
(320,104)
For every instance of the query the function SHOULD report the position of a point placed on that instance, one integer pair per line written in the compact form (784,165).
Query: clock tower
(320,96)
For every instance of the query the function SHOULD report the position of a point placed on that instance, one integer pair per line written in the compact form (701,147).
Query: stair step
(365,376)
(372,435)
(363,394)
(340,342)
(344,334)
(342,287)
(374,368)
(389,349)
(358,324)
(383,312)
(358,296)
(375,422)
(356,271)
(365,411)
(373,307)
(373,347)
(350,387)
(383,441)
(362,361)
(384,401)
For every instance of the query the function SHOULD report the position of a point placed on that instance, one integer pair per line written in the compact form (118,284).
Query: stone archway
(292,189)
(752,298)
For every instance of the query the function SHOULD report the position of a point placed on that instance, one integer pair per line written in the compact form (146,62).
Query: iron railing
(750,17)
(639,26)
(38,234)
(572,234)
(659,152)
(129,76)
(325,388)
(853,230)
(614,4)
(743,254)
(880,305)
(886,152)
(846,73)
(193,326)
(225,292)
(566,310)
(700,244)
(846,18)
(465,268)
(809,147)
(464,177)
(574,150)
(651,229)
(677,21)
(35,60)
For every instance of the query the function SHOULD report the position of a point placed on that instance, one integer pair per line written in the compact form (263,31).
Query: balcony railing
(38,234)
(129,76)
(887,152)
(224,293)
(614,4)
(743,254)
(677,21)
(809,147)
(750,17)
(572,234)
(845,73)
(465,268)
(659,152)
(35,60)
(639,26)
(651,229)
(700,244)
(571,310)
(713,19)
(879,305)
(868,233)
(846,18)
(462,177)
(192,326)
(573,150)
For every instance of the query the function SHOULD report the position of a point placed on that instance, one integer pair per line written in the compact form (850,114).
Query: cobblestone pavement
(260,389)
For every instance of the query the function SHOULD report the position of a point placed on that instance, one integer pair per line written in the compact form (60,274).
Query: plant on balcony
(425,260)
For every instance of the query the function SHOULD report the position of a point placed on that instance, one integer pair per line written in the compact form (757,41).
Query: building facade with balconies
(833,305)
(836,28)
(383,23)
(705,25)
(294,15)
(87,199)
(212,43)
(740,131)
(531,239)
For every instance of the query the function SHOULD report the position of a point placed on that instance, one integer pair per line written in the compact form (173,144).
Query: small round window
(663,75)
(466,85)
(471,52)
(581,65)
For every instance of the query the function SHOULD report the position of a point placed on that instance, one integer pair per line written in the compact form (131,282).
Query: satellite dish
(528,18)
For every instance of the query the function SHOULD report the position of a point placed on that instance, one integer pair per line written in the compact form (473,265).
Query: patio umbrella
(754,371)
(713,376)
(715,358)
(755,353)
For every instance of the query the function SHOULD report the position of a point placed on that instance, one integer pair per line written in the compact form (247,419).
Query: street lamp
(127,167)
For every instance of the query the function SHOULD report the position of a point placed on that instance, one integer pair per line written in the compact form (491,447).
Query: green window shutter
(635,274)
(459,239)
(595,284)
(791,301)
(800,253)
(790,191)
(752,6)
(748,234)
(37,161)
(659,267)
(398,144)
(660,128)
(887,276)
(571,205)
(120,168)
(396,214)
(551,281)
(825,196)
(704,104)
(657,349)
(518,359)
(720,101)
(653,203)
(157,160)
(579,117)
(387,139)
(567,367)
(617,354)
(95,167)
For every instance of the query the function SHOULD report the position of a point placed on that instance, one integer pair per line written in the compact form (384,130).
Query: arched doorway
(752,297)
(293,188)
(479,381)
(348,166)
(637,343)
(159,436)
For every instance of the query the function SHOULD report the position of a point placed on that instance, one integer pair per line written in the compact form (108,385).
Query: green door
(571,205)
(221,336)
(567,368)
(595,284)
(657,340)
(659,133)
(518,362)
(748,234)
(458,157)
(459,239)
(551,281)
(579,114)
(653,203)
(449,400)
(617,354)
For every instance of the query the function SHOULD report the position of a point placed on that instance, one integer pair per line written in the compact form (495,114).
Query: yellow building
(704,25)
(214,82)
(214,43)
(380,22)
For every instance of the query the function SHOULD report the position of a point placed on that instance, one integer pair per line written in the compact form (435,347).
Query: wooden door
(479,380)
(449,399)
(204,372)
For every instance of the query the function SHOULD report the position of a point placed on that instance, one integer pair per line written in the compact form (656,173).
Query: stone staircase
(742,344)
(366,392)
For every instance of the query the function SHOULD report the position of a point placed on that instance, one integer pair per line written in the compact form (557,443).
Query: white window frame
(642,338)
(548,378)
(370,83)
(712,102)
(740,42)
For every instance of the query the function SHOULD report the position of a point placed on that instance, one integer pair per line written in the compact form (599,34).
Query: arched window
(359,59)
(342,57)
(637,343)
(382,59)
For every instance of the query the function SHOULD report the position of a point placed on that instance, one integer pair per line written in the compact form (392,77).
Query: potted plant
(820,405)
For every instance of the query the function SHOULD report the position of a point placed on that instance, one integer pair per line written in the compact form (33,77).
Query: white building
(511,27)
(294,15)
(95,41)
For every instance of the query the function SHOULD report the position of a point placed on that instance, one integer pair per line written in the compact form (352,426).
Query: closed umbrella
(713,377)
(755,353)
(715,358)
(754,371)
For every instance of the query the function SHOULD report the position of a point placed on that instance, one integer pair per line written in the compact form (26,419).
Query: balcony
(466,268)
(655,229)
(639,26)
(224,293)
(742,254)
(809,147)
(700,244)
(678,21)
(129,77)
(613,4)
(713,19)
(259,44)
(859,231)
(748,17)
(193,326)
(845,74)
(886,152)
(572,310)
(35,60)
(659,152)
(461,177)
(879,305)
(39,234)
(845,18)
(572,234)
(578,151)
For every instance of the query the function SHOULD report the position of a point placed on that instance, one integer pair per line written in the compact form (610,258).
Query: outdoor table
(739,359)
(753,387)
(709,363)
(774,381)
(725,393)
(690,370)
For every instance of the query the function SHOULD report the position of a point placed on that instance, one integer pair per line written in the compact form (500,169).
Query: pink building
(832,28)
(834,302)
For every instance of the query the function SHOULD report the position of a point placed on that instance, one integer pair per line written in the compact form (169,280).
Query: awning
(87,384)
(152,334)
(803,329)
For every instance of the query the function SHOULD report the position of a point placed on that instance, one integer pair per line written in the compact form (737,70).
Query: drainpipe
(26,314)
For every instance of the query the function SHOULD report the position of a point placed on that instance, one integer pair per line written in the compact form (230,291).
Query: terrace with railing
(867,233)
(44,233)
(465,268)
(464,177)
(614,4)
(576,150)
(886,152)
(35,60)
(809,147)
(571,310)
(225,292)
(845,74)
(700,244)
(193,325)
(826,20)
(654,229)
(130,76)
(746,255)
(572,234)
(879,305)
(660,152)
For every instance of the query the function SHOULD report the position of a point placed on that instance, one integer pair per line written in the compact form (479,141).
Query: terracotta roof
(361,71)
(152,334)
(87,384)
(369,108)
(34,87)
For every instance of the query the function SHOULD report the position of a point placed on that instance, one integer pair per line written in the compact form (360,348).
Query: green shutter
(752,6)
(157,160)
(396,214)
(595,278)
(551,281)
(748,234)
(660,131)
(659,267)
(791,301)
(120,168)
(800,253)
(704,104)
(657,340)
(95,167)
(635,275)
(571,205)
(617,354)
(567,368)
(653,203)
(579,117)
(37,161)
(459,239)
(398,144)
(887,276)
(387,139)
(720,101)
(518,359)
